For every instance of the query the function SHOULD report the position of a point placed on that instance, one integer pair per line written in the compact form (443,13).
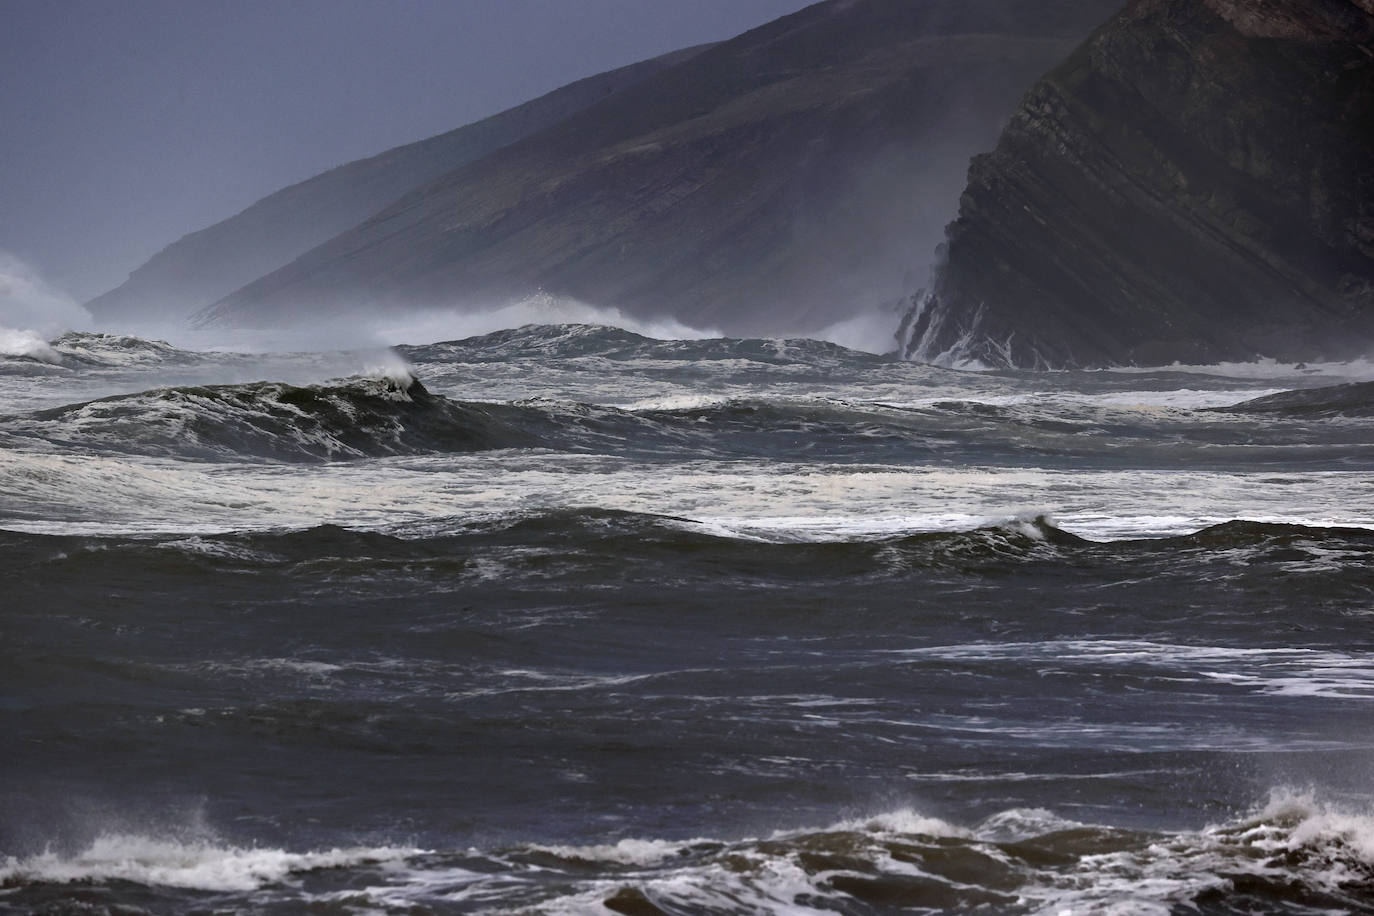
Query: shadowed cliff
(201,267)
(1195,183)
(778,180)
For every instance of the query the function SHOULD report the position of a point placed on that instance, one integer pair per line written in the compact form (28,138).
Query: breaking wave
(25,344)
(31,310)
(82,349)
(196,864)
(396,415)
(118,350)
(1293,854)
(353,419)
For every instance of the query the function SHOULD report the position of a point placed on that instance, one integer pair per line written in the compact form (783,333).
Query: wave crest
(355,418)
(199,865)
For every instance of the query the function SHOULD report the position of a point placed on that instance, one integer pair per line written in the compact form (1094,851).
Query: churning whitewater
(565,619)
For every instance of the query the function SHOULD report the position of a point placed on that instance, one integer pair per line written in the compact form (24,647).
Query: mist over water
(570,618)
(31,311)
(869,330)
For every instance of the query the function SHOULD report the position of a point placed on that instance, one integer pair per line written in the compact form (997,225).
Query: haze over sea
(563,618)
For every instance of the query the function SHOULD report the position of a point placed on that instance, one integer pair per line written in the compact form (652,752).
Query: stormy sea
(565,619)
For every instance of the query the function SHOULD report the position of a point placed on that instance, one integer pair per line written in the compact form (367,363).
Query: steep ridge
(1193,184)
(205,265)
(780,178)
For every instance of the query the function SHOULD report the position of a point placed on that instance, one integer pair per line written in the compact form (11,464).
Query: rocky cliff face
(1195,183)
(206,265)
(777,180)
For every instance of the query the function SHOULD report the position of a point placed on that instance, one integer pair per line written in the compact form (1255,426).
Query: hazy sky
(125,124)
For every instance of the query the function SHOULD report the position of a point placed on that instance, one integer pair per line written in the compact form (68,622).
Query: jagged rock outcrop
(202,267)
(1195,183)
(777,180)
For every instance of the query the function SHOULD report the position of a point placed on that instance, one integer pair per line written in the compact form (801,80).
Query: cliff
(1195,183)
(202,267)
(778,180)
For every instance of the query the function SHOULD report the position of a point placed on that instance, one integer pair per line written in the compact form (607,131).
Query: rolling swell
(1019,579)
(368,418)
(357,418)
(615,537)
(612,536)
(1355,399)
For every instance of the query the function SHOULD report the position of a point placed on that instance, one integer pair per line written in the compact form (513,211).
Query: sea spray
(32,309)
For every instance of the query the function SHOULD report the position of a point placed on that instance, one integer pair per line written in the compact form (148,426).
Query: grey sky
(124,125)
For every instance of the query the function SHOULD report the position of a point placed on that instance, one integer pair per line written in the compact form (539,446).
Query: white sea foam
(1360,369)
(1316,824)
(1181,398)
(388,366)
(203,865)
(771,885)
(677,402)
(1019,824)
(900,821)
(1333,846)
(296,667)
(1049,401)
(868,528)
(15,342)
(49,492)
(625,852)
(1293,839)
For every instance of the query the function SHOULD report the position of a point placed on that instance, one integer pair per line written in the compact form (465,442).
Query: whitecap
(202,864)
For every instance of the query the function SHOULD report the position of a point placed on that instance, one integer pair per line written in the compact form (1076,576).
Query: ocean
(564,619)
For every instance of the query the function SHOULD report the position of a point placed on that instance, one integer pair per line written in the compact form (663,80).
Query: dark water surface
(592,623)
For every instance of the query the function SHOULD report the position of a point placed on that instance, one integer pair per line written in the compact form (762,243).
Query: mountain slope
(1195,183)
(774,181)
(205,265)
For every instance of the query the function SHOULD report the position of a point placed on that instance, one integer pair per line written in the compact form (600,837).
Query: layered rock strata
(1193,184)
